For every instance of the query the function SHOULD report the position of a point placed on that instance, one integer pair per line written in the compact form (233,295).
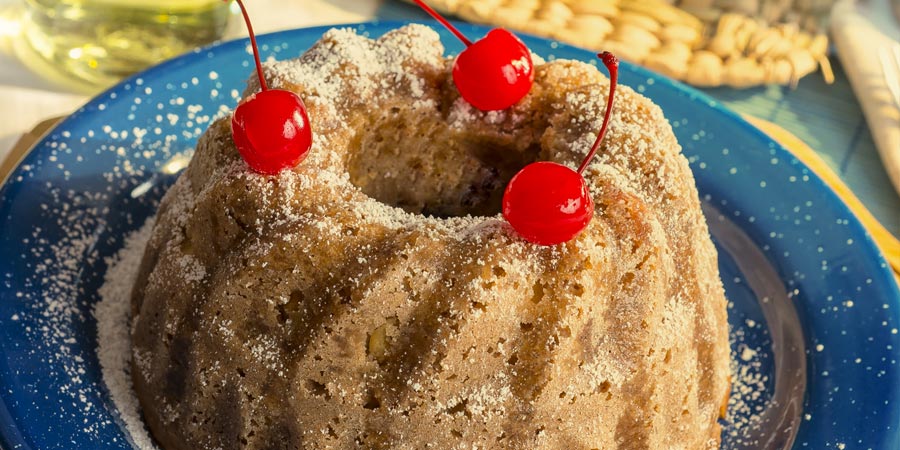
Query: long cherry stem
(612,65)
(444,22)
(259,71)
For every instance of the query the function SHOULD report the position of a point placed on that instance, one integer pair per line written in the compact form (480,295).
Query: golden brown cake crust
(321,308)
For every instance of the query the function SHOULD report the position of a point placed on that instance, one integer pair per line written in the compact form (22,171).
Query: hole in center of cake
(422,164)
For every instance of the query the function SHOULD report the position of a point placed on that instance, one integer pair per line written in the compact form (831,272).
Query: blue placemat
(827,117)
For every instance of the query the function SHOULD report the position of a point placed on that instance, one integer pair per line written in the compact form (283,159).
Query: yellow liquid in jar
(101,41)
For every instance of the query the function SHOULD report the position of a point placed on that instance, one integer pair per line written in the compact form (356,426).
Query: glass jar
(97,42)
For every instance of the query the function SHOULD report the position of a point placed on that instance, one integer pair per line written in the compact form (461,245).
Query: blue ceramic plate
(814,308)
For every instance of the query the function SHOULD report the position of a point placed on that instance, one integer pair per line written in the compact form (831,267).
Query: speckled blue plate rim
(9,433)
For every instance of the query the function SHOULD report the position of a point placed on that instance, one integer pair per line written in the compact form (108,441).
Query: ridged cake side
(321,308)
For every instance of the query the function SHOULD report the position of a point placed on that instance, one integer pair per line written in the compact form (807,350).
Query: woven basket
(737,43)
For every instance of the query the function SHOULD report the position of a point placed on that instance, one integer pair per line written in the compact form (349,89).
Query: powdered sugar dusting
(114,338)
(749,392)
(351,209)
(58,265)
(374,71)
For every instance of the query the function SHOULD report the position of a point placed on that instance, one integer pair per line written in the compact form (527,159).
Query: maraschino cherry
(493,73)
(271,128)
(548,203)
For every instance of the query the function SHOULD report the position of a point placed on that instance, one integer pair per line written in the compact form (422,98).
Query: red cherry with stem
(493,73)
(271,128)
(548,203)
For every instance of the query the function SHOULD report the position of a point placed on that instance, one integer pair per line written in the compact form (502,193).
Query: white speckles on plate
(99,175)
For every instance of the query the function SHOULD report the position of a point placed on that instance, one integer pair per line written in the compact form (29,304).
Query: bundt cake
(373,297)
